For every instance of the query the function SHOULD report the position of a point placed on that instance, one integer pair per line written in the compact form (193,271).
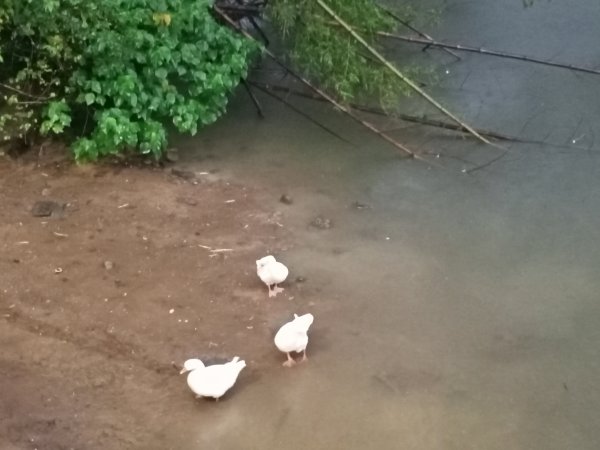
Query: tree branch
(484,51)
(410,27)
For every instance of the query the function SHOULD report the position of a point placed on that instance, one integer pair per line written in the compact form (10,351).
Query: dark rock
(172,155)
(187,201)
(187,175)
(321,223)
(47,208)
(286,199)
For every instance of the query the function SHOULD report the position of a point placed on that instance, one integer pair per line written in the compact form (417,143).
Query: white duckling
(212,381)
(293,337)
(271,272)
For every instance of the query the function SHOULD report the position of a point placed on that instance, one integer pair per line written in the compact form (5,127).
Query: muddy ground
(100,301)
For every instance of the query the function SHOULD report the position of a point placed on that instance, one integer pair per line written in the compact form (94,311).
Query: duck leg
(290,361)
(278,290)
(304,358)
(271,293)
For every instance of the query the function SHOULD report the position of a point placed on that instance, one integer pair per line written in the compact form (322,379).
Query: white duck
(212,381)
(293,337)
(271,272)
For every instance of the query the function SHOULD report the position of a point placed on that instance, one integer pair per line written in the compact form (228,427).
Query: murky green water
(458,311)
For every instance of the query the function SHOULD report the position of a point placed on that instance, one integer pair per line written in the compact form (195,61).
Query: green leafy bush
(110,74)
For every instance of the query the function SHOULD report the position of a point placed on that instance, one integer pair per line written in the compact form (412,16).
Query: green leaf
(161,72)
(96,86)
(89,98)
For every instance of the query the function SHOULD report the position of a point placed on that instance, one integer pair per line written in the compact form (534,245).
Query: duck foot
(290,361)
(273,292)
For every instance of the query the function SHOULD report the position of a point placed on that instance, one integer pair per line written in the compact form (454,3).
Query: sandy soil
(99,302)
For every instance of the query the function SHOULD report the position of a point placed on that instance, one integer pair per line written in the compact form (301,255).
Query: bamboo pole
(399,74)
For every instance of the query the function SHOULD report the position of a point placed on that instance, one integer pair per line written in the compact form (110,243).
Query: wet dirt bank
(132,271)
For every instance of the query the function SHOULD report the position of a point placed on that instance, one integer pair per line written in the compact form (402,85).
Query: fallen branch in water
(405,117)
(259,110)
(412,28)
(421,120)
(465,48)
(321,93)
(486,164)
(399,74)
(266,91)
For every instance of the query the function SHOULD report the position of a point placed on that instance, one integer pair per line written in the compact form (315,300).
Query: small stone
(172,155)
(321,223)
(184,174)
(286,199)
(47,208)
(108,265)
(187,201)
(300,279)
(46,192)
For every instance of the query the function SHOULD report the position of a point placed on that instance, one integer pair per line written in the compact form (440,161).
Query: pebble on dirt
(186,201)
(47,208)
(108,265)
(286,199)
(186,175)
(172,155)
(321,223)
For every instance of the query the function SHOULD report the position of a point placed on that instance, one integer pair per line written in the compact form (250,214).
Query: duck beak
(184,370)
